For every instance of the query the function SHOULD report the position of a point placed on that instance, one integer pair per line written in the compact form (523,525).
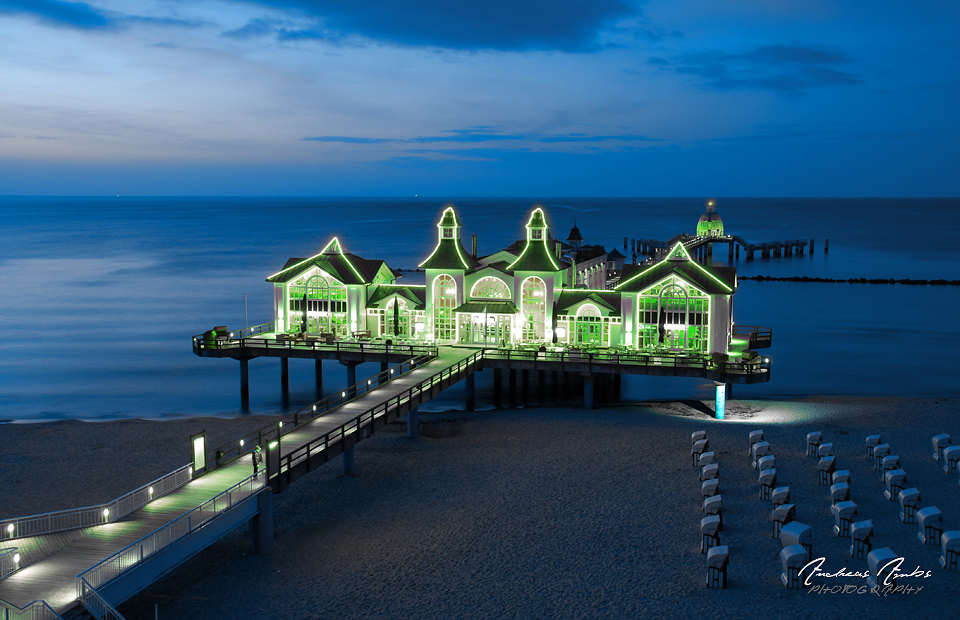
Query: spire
(536,255)
(448,254)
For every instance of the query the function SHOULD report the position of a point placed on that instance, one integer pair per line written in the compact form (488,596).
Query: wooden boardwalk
(53,579)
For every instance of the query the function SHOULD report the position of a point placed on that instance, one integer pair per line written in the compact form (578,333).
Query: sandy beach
(522,513)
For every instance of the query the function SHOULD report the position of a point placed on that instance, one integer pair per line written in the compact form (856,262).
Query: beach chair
(895,481)
(825,469)
(862,533)
(841,475)
(755,437)
(825,449)
(709,488)
(768,480)
(882,565)
(930,525)
(699,447)
(797,533)
(940,442)
(697,436)
(707,458)
(872,442)
(888,463)
(714,506)
(759,449)
(710,472)
(843,514)
(717,560)
(949,549)
(813,441)
(879,452)
(792,559)
(767,462)
(909,503)
(839,492)
(780,496)
(709,532)
(781,516)
(951,454)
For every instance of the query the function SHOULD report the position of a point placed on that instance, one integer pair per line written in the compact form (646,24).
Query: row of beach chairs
(718,556)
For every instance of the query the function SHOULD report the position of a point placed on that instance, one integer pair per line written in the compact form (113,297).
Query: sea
(100,296)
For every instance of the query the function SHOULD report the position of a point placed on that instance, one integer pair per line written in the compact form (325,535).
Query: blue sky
(505,97)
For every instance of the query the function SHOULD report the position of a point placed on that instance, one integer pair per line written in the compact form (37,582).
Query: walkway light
(280,424)
(343,394)
(314,407)
(241,443)
(273,444)
(16,558)
(10,529)
(150,491)
(106,513)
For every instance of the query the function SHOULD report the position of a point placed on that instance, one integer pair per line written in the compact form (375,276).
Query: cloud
(59,13)
(779,68)
(479,135)
(566,25)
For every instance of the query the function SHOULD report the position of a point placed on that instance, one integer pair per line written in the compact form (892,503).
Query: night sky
(502,97)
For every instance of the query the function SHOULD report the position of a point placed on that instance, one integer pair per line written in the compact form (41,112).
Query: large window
(490,288)
(589,325)
(533,304)
(324,300)
(680,310)
(395,322)
(444,302)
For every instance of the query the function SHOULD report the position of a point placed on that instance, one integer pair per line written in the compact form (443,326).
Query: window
(533,297)
(448,233)
(324,300)
(589,325)
(490,288)
(536,234)
(444,302)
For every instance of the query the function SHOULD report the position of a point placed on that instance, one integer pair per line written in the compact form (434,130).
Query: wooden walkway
(53,579)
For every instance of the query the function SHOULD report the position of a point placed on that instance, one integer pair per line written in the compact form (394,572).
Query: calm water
(99,297)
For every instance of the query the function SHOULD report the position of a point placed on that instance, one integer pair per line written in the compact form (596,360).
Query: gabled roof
(346,267)
(536,254)
(415,295)
(615,254)
(571,297)
(715,280)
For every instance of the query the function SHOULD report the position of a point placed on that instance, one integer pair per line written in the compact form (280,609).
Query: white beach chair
(872,442)
(940,442)
(862,533)
(710,472)
(768,480)
(930,524)
(879,452)
(717,560)
(797,533)
(909,503)
(782,515)
(813,441)
(759,449)
(709,488)
(951,454)
(792,559)
(895,481)
(767,462)
(839,492)
(841,475)
(697,436)
(709,532)
(780,496)
(881,565)
(888,463)
(825,449)
(755,437)
(699,447)
(714,506)
(843,514)
(707,458)
(825,469)
(950,549)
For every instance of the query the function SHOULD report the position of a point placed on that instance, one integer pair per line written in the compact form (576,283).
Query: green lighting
(448,221)
(539,222)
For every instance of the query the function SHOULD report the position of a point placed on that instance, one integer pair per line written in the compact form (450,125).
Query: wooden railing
(230,452)
(651,359)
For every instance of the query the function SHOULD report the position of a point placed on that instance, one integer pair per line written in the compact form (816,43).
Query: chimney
(474,246)
(558,249)
(624,243)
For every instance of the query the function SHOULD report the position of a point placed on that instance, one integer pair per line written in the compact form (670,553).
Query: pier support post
(384,366)
(525,385)
(351,377)
(737,248)
(826,246)
(513,387)
(617,379)
(587,390)
(285,376)
(542,385)
(471,392)
(730,245)
(261,525)
(811,247)
(721,401)
(318,371)
(245,383)
(497,386)
(347,467)
(412,424)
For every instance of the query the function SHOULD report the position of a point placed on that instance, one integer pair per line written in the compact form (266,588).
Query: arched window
(490,288)
(444,302)
(673,313)
(326,305)
(396,320)
(589,324)
(533,304)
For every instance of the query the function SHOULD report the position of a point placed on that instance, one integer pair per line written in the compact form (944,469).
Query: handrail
(229,452)
(161,538)
(74,518)
(34,610)
(339,346)
(751,330)
(8,561)
(247,332)
(669,360)
(96,604)
(366,417)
